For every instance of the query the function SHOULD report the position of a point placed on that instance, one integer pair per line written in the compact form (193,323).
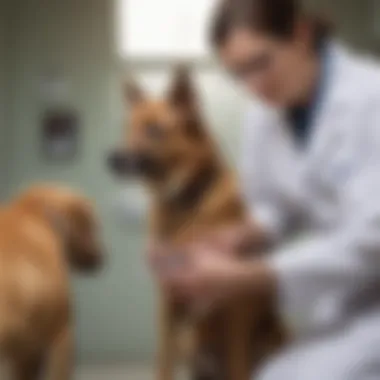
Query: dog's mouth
(124,164)
(87,262)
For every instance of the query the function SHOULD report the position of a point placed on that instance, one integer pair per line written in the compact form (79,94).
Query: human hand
(209,278)
(237,240)
(164,258)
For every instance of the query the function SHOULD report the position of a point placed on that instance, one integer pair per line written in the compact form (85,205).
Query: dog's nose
(136,163)
(91,262)
(99,261)
(118,162)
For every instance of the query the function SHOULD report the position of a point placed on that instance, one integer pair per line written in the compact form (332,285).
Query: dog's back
(33,294)
(34,281)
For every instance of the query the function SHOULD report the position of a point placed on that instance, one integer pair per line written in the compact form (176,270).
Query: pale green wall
(3,100)
(352,19)
(2,61)
(115,312)
(2,64)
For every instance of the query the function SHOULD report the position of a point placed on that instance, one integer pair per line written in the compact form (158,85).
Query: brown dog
(194,193)
(42,233)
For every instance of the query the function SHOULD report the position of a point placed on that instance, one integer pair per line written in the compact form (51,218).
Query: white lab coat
(332,189)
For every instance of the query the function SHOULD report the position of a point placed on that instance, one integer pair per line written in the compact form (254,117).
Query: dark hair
(277,18)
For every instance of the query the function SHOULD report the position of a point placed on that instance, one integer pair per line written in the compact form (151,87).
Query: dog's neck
(187,190)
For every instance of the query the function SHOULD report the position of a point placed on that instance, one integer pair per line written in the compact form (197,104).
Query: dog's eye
(154,131)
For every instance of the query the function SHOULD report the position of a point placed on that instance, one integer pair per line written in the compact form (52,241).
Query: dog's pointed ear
(133,94)
(183,96)
(182,92)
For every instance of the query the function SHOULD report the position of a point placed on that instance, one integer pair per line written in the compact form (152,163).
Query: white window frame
(149,60)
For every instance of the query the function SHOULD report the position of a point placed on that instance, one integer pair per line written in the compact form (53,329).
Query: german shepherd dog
(193,191)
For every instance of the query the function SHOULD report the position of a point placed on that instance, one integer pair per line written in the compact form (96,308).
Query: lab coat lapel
(331,116)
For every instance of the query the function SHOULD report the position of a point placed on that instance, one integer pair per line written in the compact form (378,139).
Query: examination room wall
(115,313)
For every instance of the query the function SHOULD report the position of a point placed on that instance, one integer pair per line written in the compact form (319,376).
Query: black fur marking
(195,190)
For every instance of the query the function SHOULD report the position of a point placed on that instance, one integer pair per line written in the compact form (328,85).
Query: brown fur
(171,134)
(42,233)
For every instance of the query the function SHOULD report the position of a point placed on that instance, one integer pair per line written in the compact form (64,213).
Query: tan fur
(35,307)
(233,329)
(183,147)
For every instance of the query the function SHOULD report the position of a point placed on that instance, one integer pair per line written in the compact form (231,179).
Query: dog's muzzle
(133,164)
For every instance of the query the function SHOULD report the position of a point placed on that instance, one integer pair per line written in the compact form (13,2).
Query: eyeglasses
(254,66)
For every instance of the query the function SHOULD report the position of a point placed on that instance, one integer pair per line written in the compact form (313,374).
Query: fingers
(226,239)
(167,263)
(193,280)
(186,274)
(182,286)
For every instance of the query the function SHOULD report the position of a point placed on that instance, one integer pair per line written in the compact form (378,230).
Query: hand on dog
(192,273)
(208,273)
(209,278)
(164,259)
(225,240)
(236,240)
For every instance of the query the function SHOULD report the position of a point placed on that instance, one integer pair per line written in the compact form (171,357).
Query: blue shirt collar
(302,118)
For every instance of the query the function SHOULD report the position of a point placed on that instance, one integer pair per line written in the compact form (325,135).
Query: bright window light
(163,29)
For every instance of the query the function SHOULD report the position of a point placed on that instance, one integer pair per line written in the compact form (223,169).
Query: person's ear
(303,33)
(133,94)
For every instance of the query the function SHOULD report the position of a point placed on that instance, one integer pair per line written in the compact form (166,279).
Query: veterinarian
(311,163)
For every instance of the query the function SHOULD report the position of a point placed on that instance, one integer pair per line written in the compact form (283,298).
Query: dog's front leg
(27,367)
(238,343)
(208,361)
(60,357)
(166,349)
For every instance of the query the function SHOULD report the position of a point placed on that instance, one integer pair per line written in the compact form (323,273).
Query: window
(163,29)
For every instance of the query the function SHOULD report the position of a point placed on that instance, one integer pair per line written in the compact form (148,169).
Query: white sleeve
(256,177)
(326,269)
